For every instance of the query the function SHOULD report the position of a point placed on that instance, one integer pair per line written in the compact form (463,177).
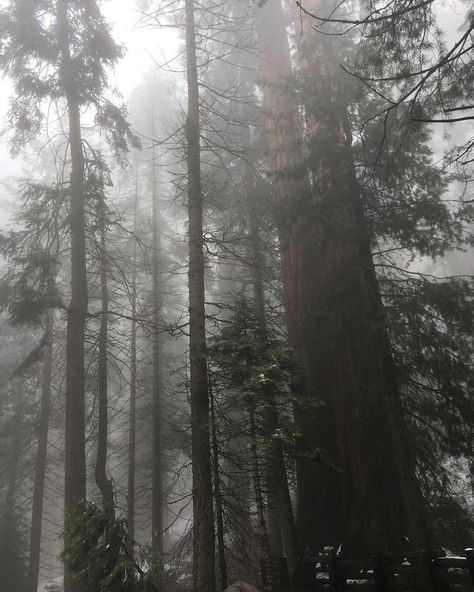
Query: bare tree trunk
(133,392)
(157,487)
(203,515)
(75,465)
(15,454)
(275,531)
(103,482)
(41,457)
(221,558)
(262,529)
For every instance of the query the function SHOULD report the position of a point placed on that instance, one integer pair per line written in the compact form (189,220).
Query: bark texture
(203,514)
(75,462)
(356,482)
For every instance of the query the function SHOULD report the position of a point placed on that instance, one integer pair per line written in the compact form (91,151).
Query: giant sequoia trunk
(41,458)
(356,482)
(203,514)
(75,462)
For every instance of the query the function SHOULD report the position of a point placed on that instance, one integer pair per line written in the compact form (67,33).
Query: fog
(236,257)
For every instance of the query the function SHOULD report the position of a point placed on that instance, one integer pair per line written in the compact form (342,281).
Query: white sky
(144,47)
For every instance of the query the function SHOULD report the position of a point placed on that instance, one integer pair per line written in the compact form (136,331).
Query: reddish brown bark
(356,482)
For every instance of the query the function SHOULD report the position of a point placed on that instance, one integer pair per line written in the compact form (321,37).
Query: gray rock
(241,587)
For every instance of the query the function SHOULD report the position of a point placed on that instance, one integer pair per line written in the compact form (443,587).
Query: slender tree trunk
(275,526)
(13,565)
(221,558)
(355,477)
(280,512)
(15,454)
(263,536)
(203,515)
(103,482)
(157,487)
(41,457)
(133,392)
(270,421)
(75,461)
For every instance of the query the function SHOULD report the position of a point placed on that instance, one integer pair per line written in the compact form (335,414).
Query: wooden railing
(387,572)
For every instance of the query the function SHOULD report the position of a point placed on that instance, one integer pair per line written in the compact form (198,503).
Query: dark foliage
(31,55)
(99,554)
(13,552)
